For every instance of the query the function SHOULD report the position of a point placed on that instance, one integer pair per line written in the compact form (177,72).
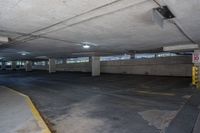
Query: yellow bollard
(195,76)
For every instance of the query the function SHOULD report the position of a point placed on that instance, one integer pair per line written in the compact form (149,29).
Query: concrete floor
(15,113)
(79,103)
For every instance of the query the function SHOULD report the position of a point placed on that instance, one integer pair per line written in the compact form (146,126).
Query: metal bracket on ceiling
(165,12)
(160,14)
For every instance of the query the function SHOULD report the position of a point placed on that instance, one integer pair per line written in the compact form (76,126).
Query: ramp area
(110,103)
(18,114)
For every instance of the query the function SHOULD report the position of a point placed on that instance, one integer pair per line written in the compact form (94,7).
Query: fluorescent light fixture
(181,47)
(41,57)
(89,43)
(86,46)
(23,53)
(4,39)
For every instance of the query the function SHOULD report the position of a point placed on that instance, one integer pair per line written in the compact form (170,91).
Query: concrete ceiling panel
(114,25)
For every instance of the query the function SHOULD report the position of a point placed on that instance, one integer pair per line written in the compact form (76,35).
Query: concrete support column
(46,63)
(14,65)
(64,61)
(28,66)
(156,55)
(52,66)
(3,67)
(95,61)
(132,56)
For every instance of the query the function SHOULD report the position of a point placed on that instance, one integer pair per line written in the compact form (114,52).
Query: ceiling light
(89,43)
(23,53)
(41,57)
(86,46)
(181,47)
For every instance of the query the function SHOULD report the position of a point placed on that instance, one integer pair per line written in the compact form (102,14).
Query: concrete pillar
(22,66)
(13,65)
(64,61)
(156,55)
(95,61)
(3,67)
(46,63)
(28,66)
(52,65)
(132,55)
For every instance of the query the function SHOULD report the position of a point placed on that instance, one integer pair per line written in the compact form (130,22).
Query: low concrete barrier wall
(78,67)
(40,67)
(168,66)
(165,66)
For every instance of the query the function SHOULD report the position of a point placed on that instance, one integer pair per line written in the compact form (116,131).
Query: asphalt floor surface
(110,103)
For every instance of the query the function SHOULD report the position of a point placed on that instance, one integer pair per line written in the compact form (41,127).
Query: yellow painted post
(196,68)
(195,76)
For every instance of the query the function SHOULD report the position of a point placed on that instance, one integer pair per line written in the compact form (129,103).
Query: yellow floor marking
(34,111)
(157,93)
(37,116)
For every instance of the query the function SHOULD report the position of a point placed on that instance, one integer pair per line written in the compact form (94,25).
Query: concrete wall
(40,67)
(78,67)
(166,66)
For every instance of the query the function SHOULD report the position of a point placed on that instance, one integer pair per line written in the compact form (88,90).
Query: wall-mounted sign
(196,57)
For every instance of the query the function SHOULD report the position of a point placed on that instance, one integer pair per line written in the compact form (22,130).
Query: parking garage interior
(108,66)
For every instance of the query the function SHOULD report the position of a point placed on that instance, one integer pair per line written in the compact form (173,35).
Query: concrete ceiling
(56,28)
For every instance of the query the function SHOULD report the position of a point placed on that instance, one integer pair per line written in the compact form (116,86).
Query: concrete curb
(197,125)
(35,112)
